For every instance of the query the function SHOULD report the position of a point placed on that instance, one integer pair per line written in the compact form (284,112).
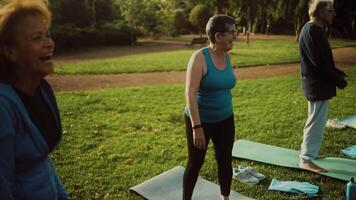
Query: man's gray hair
(315,6)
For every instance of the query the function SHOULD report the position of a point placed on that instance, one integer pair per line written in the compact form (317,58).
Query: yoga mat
(339,168)
(349,121)
(168,185)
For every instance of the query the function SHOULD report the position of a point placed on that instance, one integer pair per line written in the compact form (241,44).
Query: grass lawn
(117,138)
(256,53)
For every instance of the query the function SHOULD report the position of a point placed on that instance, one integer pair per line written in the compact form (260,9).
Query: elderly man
(319,78)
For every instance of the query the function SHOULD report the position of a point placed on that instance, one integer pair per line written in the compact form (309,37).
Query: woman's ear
(217,36)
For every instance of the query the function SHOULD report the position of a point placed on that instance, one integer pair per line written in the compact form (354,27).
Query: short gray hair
(218,23)
(315,6)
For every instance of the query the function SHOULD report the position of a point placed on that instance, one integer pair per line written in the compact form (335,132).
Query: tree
(199,16)
(301,16)
(149,18)
(221,6)
(106,11)
(91,5)
(344,24)
(71,12)
(179,21)
(131,11)
(250,11)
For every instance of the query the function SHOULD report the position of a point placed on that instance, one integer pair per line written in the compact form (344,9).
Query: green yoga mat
(168,185)
(339,168)
(349,121)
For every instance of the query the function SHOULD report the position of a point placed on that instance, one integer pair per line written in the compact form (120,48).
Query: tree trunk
(248,26)
(296,27)
(354,27)
(93,12)
(254,25)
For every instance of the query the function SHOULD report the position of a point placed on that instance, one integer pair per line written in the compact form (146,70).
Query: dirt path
(344,57)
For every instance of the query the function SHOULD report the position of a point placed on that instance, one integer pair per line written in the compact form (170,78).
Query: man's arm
(324,61)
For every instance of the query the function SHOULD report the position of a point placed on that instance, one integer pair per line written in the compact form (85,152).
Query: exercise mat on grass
(168,185)
(339,168)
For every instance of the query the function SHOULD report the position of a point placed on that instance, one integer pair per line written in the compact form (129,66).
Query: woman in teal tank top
(208,113)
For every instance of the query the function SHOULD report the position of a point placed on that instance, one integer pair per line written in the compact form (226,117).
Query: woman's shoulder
(200,52)
(6,91)
(8,104)
(198,55)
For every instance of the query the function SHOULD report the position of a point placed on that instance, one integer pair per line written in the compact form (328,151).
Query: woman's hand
(199,138)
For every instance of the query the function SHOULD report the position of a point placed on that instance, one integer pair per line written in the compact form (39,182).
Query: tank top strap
(208,60)
(228,63)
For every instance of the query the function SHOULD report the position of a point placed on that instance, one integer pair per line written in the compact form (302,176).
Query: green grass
(256,53)
(117,138)
(338,43)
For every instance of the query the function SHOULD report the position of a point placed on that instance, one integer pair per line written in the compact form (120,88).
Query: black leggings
(222,135)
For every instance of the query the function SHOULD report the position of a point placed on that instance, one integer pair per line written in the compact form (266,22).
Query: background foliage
(131,18)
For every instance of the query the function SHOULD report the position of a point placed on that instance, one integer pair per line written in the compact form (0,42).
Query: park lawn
(259,52)
(117,138)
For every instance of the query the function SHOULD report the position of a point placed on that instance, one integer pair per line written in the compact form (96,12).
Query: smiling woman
(30,126)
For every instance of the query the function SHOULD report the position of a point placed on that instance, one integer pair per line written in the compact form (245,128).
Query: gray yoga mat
(339,168)
(168,185)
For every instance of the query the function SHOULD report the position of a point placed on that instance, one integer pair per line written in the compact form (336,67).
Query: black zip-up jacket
(319,76)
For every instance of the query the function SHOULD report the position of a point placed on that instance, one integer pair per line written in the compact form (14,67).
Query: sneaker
(243,176)
(335,123)
(253,172)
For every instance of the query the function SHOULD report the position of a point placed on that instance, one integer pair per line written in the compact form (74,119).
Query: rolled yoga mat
(168,185)
(339,168)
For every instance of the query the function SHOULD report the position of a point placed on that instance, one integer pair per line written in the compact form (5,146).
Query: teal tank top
(214,95)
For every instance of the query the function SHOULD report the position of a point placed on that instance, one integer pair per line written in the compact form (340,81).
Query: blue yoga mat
(169,186)
(349,121)
(339,168)
(351,151)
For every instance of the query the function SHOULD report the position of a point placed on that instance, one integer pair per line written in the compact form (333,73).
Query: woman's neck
(216,50)
(26,85)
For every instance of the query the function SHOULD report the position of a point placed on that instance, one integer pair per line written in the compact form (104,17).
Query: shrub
(70,36)
(199,16)
(180,21)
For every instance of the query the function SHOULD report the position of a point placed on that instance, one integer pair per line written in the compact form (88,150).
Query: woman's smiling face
(32,47)
(228,37)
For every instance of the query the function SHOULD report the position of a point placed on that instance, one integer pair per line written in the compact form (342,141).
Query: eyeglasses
(233,32)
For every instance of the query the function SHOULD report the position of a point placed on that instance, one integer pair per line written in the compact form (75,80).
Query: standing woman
(30,126)
(208,113)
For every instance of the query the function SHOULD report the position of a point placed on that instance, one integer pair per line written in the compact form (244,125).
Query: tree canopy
(199,16)
(163,16)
